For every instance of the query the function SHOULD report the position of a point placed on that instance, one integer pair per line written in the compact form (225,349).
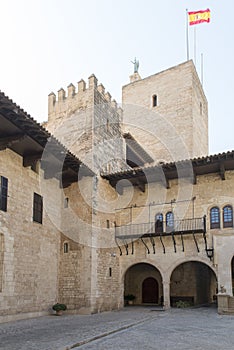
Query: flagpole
(202,68)
(187,35)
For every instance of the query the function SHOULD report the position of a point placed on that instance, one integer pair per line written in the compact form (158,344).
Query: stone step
(229,311)
(231,303)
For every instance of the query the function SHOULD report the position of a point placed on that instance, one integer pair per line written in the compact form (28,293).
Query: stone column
(166,294)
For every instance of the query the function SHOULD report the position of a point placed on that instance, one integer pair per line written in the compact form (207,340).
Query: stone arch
(142,279)
(193,281)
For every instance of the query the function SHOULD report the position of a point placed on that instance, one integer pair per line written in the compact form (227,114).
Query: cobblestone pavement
(131,328)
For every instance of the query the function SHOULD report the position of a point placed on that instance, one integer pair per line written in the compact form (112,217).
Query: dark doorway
(193,282)
(150,291)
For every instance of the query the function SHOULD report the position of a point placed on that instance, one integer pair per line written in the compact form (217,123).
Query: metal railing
(161,228)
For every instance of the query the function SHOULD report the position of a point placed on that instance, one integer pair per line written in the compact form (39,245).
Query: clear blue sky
(47,44)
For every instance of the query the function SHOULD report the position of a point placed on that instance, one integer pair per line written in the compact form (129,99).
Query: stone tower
(168,113)
(88,122)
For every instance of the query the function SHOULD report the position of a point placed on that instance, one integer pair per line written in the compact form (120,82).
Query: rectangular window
(37,208)
(3,193)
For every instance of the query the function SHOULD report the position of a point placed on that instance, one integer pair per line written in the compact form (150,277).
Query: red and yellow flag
(201,16)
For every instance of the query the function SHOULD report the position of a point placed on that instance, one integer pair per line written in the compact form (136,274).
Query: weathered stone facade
(175,127)
(99,238)
(29,250)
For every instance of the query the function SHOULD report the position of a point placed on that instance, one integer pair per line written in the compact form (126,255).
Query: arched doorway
(144,281)
(193,282)
(150,291)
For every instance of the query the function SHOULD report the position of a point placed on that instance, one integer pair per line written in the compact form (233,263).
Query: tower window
(107,125)
(154,100)
(200,108)
(66,201)
(3,193)
(107,223)
(214,218)
(37,208)
(65,248)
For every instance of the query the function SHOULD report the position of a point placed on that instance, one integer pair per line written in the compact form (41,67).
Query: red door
(150,291)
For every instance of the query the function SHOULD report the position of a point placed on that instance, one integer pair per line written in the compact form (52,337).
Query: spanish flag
(201,16)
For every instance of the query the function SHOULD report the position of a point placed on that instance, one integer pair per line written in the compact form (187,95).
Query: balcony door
(150,291)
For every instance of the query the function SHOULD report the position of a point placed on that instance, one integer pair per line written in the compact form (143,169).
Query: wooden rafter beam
(194,177)
(8,141)
(165,180)
(141,186)
(29,160)
(222,171)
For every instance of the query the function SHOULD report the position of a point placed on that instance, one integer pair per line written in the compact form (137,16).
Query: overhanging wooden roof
(140,176)
(135,152)
(23,135)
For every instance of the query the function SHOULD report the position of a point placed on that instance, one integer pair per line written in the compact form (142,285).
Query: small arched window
(65,247)
(159,223)
(214,218)
(154,100)
(227,216)
(170,221)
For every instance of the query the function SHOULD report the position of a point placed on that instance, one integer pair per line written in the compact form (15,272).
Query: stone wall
(29,250)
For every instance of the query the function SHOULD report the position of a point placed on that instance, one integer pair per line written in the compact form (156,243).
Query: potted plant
(59,308)
(129,299)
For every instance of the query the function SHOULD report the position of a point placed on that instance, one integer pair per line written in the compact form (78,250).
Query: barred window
(214,217)
(227,216)
(3,193)
(37,208)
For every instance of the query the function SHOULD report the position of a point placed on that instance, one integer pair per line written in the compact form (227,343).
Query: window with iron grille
(227,216)
(37,208)
(214,217)
(3,193)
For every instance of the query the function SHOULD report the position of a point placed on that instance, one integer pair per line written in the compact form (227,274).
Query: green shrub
(58,307)
(182,304)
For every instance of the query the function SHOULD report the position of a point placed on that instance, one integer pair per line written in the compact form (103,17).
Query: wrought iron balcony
(125,235)
(153,229)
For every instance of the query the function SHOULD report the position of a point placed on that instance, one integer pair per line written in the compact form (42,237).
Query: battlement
(82,97)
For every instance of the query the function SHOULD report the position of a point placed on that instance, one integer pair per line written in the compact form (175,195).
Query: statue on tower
(136,65)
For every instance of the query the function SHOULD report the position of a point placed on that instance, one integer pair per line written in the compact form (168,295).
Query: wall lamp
(210,252)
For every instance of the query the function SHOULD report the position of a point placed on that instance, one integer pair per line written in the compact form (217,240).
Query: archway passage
(144,281)
(194,283)
(150,291)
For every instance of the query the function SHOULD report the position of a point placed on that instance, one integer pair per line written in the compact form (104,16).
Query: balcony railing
(161,228)
(147,232)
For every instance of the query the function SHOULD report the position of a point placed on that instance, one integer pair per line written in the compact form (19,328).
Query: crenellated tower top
(86,116)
